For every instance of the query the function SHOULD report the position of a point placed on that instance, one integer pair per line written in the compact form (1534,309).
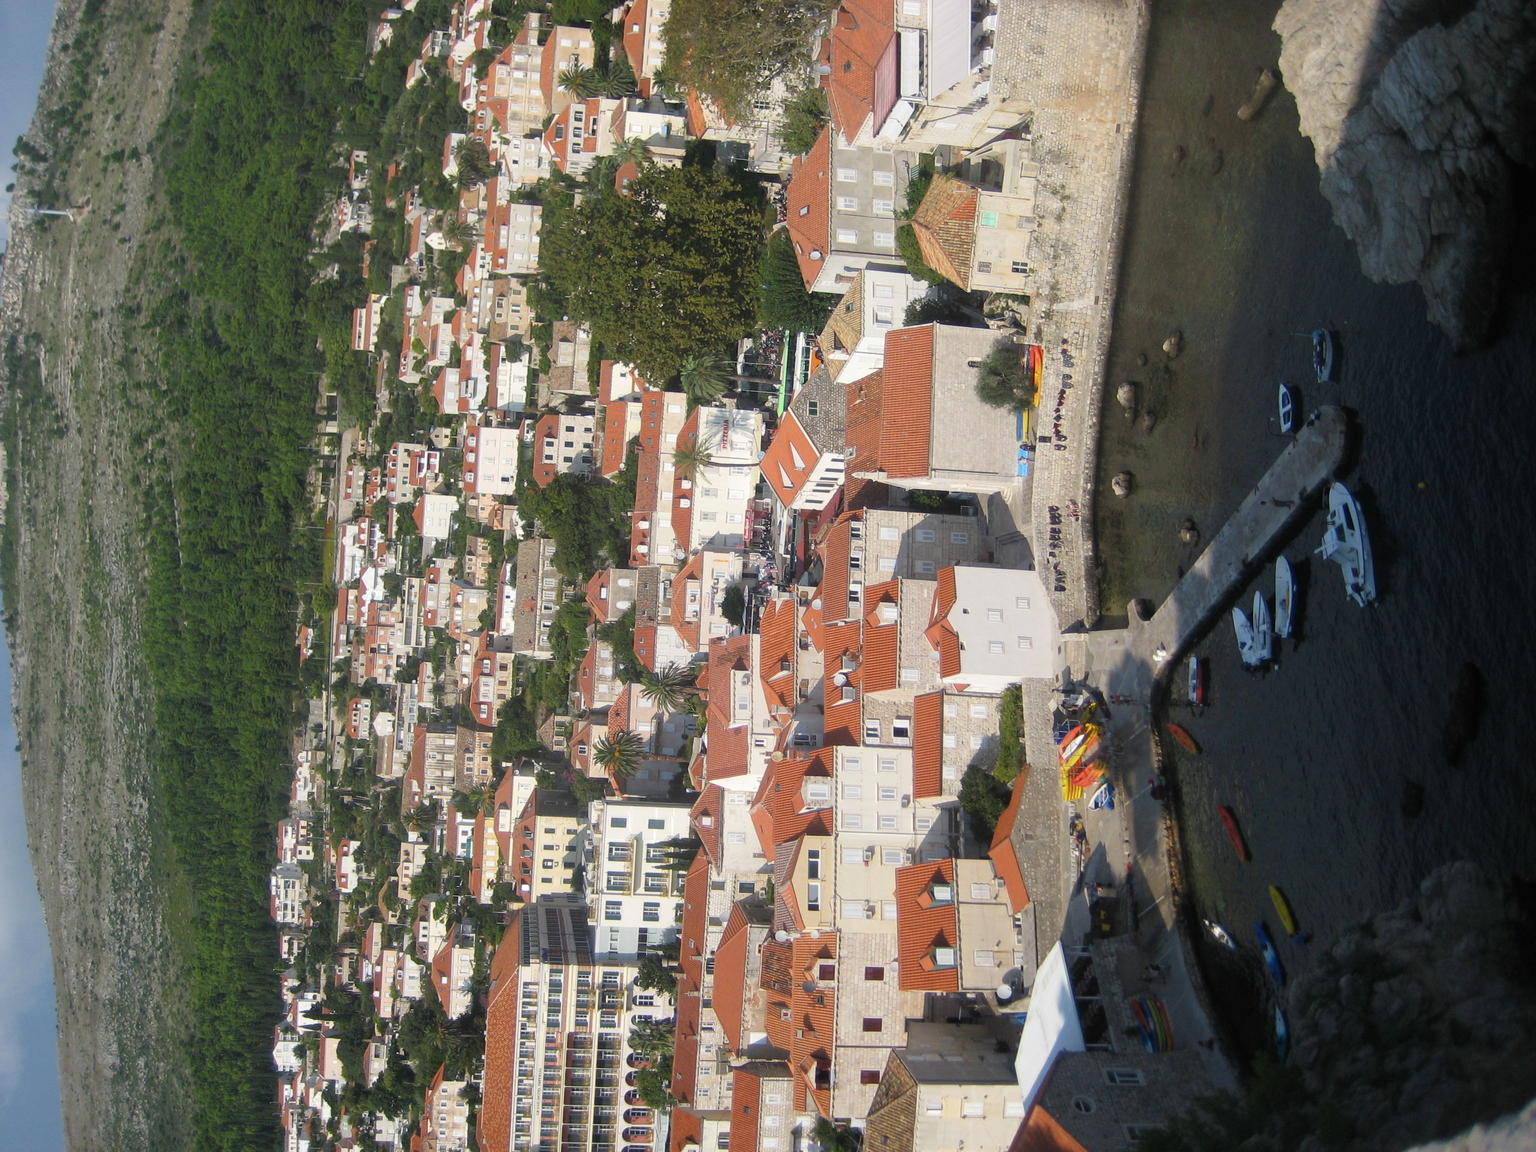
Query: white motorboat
(1345,543)
(1263,638)
(1247,641)
(1322,354)
(1285,592)
(1287,409)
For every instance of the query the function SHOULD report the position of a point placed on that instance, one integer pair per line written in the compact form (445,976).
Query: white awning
(1051,1028)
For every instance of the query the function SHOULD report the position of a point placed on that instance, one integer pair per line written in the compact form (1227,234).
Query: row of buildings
(841,590)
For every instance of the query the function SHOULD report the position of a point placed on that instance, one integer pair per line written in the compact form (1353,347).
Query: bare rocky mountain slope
(74,293)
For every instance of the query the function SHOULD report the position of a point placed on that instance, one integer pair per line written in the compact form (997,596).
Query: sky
(24,28)
(29,1062)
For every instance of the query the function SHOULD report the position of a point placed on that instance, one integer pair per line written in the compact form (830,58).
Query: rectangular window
(847,235)
(1026,642)
(973,1109)
(848,203)
(650,912)
(984,267)
(888,822)
(885,239)
(887,763)
(869,1076)
(813,863)
(935,1108)
(887,792)
(925,567)
(872,730)
(984,958)
(901,729)
(950,740)
(987,219)
(981,891)
(813,897)
(926,535)
(613,910)
(812,407)
(852,820)
(1123,1076)
(853,792)
(995,615)
(883,207)
(893,857)
(873,973)
(1019,268)
(884,179)
(887,909)
(909,675)
(853,910)
(959,537)
(872,1024)
(846,175)
(745,887)
(994,646)
(853,856)
(887,563)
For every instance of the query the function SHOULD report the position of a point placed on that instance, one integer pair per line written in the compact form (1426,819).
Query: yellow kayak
(1283,910)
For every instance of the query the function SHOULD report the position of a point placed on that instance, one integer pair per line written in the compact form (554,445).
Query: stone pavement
(1077,65)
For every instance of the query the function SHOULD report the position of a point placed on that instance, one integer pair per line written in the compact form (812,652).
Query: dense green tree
(581,82)
(663,272)
(730,50)
(474,162)
(653,1038)
(655,974)
(1003,380)
(782,299)
(805,115)
(983,797)
(702,378)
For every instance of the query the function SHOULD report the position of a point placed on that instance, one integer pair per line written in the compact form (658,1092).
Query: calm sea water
(1231,242)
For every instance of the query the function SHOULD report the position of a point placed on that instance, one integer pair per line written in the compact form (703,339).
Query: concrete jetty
(1269,514)
(1130,661)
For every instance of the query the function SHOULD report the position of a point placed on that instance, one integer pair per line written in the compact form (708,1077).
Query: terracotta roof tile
(803,1022)
(727,746)
(777,633)
(860,52)
(808,202)
(842,704)
(928,745)
(707,817)
(879,641)
(1005,859)
(779,809)
(746,1091)
(731,975)
(922,926)
(906,403)
(495,1124)
(1041,1133)
(940,633)
(945,227)
(790,459)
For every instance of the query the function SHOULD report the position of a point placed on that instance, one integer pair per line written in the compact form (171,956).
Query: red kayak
(1234,833)
(1196,681)
(1186,741)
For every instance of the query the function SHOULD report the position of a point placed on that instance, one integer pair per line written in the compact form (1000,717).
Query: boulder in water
(1125,395)
(1121,484)
(1189,532)
(1263,89)
(1148,420)
(1174,344)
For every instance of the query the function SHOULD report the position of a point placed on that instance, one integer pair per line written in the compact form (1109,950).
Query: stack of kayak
(1152,1022)
(1081,750)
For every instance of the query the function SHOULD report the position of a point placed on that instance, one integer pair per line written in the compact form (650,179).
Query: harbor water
(1230,242)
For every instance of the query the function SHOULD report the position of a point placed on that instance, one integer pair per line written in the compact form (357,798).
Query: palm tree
(476,801)
(582,83)
(421,817)
(630,151)
(691,457)
(704,379)
(669,689)
(618,753)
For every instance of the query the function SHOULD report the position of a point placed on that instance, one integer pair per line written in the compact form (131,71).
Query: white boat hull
(1247,640)
(1347,544)
(1263,638)
(1285,592)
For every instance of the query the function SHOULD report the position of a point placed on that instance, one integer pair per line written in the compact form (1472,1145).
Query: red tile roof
(780,811)
(1004,858)
(928,745)
(940,633)
(707,816)
(615,426)
(906,403)
(880,642)
(801,1022)
(945,227)
(842,704)
(833,591)
(731,976)
(686,628)
(777,634)
(861,55)
(495,1124)
(746,1092)
(808,202)
(727,746)
(922,925)
(686,1128)
(1039,1132)
(790,459)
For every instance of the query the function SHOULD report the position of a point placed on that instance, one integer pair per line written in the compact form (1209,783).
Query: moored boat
(1104,797)
(1287,409)
(1234,833)
(1285,593)
(1345,543)
(1283,910)
(1247,639)
(1220,934)
(1282,1034)
(1185,740)
(1196,681)
(1263,637)
(1322,354)
(1271,957)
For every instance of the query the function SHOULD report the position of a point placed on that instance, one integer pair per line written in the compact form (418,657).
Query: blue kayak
(1271,957)
(1282,1035)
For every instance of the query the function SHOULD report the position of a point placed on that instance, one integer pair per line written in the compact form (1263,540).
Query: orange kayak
(1234,833)
(1186,741)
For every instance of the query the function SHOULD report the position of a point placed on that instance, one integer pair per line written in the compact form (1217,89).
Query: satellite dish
(1004,993)
(840,679)
(781,936)
(816,603)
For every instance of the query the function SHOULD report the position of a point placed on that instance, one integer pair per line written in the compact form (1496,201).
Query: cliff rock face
(1417,110)
(1418,1024)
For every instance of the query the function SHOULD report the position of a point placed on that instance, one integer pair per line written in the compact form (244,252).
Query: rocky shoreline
(1420,112)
